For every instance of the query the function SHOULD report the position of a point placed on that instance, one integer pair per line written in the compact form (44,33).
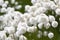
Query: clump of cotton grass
(16,24)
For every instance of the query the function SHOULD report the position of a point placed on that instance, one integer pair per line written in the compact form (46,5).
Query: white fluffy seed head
(22,37)
(27,7)
(37,12)
(22,24)
(45,33)
(32,20)
(47,25)
(18,7)
(39,35)
(38,5)
(6,2)
(9,30)
(40,25)
(50,35)
(22,30)
(9,38)
(42,9)
(1,18)
(46,4)
(1,2)
(31,29)
(16,3)
(40,32)
(57,11)
(12,1)
(2,35)
(4,5)
(54,24)
(26,15)
(32,9)
(56,1)
(10,9)
(51,18)
(17,34)
(3,10)
(54,7)
(43,19)
(33,1)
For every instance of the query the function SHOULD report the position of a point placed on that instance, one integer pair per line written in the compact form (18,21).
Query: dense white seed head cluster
(34,19)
